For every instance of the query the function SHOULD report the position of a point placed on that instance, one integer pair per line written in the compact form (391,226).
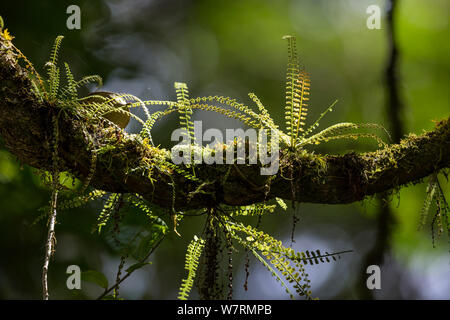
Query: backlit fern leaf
(103,105)
(316,257)
(241,112)
(264,115)
(71,84)
(277,255)
(73,203)
(297,90)
(440,219)
(272,271)
(430,195)
(281,203)
(53,70)
(301,106)
(338,131)
(228,113)
(107,210)
(89,79)
(193,254)
(253,210)
(185,110)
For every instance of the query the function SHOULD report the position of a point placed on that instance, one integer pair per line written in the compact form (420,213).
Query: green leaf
(95,277)
(145,245)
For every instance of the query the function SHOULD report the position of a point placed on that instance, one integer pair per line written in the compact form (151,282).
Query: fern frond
(73,203)
(272,271)
(339,129)
(293,87)
(53,83)
(92,167)
(148,126)
(133,101)
(264,114)
(253,210)
(186,174)
(108,208)
(301,106)
(354,136)
(55,50)
(443,211)
(193,254)
(81,200)
(71,84)
(230,103)
(90,79)
(276,254)
(316,257)
(316,123)
(53,70)
(185,110)
(281,203)
(108,105)
(434,194)
(228,113)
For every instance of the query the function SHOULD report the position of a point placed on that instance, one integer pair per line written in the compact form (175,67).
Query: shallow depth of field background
(232,48)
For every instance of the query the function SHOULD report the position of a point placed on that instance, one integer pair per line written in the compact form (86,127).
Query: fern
(80,200)
(440,219)
(107,210)
(193,254)
(285,264)
(264,263)
(185,110)
(83,82)
(315,257)
(89,79)
(277,255)
(148,125)
(281,203)
(253,210)
(297,89)
(53,70)
(338,131)
(71,84)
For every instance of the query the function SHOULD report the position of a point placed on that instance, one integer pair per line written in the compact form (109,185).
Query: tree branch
(26,129)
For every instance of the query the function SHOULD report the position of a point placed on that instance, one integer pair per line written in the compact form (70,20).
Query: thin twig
(51,240)
(118,282)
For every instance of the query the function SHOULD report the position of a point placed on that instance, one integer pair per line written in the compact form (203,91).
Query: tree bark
(26,129)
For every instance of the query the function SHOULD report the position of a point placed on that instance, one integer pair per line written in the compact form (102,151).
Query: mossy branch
(26,130)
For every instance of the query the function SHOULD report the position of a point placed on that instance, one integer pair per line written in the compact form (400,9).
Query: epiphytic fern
(297,91)
(440,218)
(71,84)
(53,70)
(193,254)
(110,205)
(296,109)
(316,257)
(284,263)
(185,110)
(274,256)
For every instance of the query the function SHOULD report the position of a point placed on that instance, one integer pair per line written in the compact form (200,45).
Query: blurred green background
(232,48)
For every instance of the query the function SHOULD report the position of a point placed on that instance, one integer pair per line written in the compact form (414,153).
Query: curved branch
(26,128)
